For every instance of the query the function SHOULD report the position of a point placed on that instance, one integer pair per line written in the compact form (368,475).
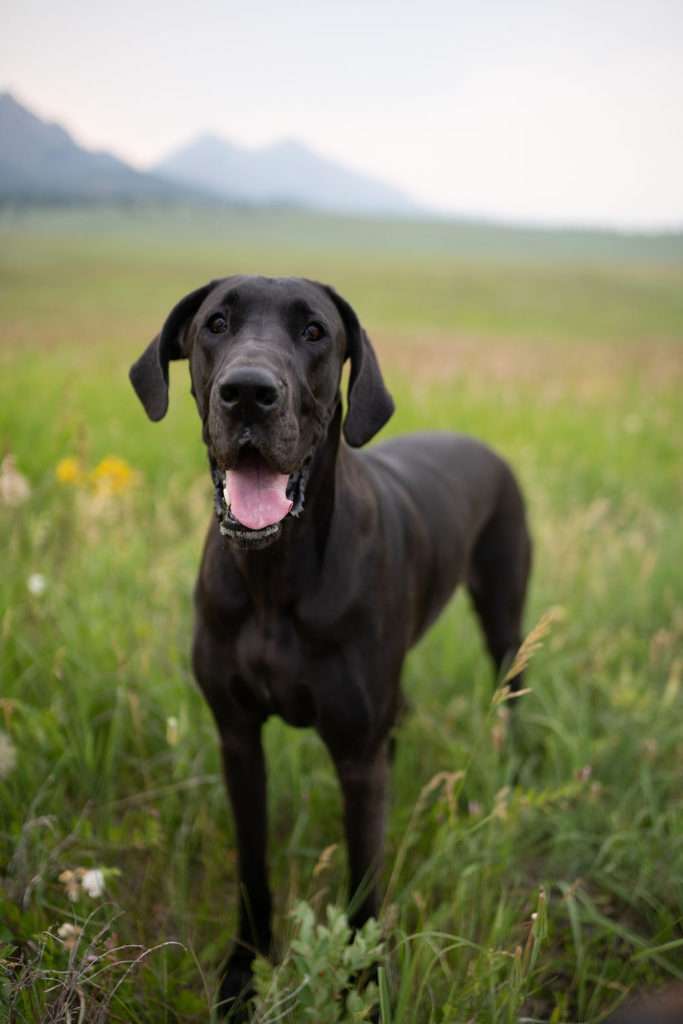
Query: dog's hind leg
(498,576)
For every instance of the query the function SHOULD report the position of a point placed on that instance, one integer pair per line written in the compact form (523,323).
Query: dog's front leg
(245,774)
(364,781)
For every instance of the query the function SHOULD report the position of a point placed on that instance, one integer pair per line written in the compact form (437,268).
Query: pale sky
(568,112)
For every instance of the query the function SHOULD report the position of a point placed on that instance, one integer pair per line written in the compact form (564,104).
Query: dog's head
(266,357)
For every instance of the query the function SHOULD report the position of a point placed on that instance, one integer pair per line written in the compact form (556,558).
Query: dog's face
(266,358)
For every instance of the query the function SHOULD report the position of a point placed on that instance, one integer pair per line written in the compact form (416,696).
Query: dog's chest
(272,661)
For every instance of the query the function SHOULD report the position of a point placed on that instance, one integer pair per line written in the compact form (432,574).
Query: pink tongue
(256,496)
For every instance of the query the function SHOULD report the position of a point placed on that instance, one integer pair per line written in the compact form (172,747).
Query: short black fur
(315,624)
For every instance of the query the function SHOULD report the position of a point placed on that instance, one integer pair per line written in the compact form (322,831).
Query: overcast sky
(551,111)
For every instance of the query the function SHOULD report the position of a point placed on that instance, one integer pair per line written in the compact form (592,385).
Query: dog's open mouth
(252,499)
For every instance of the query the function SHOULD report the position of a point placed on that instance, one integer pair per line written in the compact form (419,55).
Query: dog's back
(452,513)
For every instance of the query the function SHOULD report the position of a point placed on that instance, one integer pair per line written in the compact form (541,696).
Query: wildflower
(8,755)
(93,882)
(14,487)
(70,471)
(69,934)
(37,584)
(112,476)
(71,882)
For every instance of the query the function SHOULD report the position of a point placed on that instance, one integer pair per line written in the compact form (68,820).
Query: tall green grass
(572,812)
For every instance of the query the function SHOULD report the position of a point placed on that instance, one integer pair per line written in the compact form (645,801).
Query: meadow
(534,862)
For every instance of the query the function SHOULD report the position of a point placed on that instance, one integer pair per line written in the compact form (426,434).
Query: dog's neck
(300,550)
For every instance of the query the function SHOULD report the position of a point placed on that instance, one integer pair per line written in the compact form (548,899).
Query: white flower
(37,584)
(14,487)
(69,934)
(8,755)
(93,882)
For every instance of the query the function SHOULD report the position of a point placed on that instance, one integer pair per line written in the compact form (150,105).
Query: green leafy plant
(325,975)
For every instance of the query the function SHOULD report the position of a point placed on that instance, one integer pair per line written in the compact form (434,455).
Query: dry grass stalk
(449,781)
(324,859)
(446,779)
(530,645)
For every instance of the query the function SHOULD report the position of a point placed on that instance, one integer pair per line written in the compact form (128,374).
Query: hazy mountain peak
(15,118)
(285,170)
(39,160)
(9,103)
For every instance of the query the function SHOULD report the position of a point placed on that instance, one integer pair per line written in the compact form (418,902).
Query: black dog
(323,565)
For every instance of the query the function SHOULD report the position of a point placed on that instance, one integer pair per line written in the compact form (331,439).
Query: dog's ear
(369,403)
(149,374)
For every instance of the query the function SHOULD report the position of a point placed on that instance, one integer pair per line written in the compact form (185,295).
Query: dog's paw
(236,990)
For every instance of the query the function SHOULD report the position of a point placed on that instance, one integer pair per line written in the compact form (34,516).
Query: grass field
(563,351)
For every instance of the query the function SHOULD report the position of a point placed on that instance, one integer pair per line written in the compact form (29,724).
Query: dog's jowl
(323,564)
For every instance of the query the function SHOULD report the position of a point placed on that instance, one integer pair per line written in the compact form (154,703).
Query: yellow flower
(69,471)
(112,476)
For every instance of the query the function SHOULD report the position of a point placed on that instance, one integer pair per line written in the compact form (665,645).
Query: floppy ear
(149,375)
(369,403)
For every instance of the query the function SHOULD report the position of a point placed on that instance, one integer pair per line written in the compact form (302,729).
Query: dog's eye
(217,323)
(313,332)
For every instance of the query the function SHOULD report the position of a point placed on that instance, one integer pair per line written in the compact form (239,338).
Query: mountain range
(282,172)
(40,161)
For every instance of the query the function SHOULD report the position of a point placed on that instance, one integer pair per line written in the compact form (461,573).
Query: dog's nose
(250,390)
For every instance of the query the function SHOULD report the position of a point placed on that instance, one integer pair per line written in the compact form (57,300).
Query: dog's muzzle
(256,493)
